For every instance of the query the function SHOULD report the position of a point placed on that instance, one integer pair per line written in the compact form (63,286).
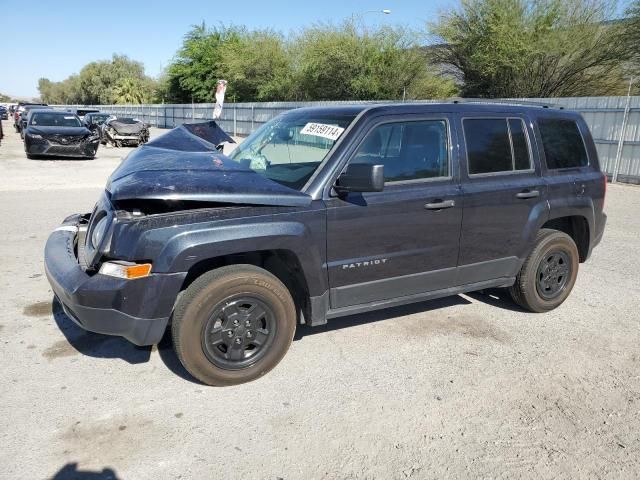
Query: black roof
(50,110)
(477,106)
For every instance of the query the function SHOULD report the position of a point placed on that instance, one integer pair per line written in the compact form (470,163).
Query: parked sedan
(23,115)
(4,114)
(19,115)
(59,134)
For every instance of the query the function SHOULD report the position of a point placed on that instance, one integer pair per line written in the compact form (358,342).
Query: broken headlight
(98,232)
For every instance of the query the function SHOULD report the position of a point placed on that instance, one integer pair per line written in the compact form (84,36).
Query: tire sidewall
(555,242)
(195,314)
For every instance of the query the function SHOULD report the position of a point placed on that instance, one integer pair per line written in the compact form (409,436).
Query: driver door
(403,240)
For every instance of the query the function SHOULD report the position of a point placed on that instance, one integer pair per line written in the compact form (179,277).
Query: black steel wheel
(233,325)
(548,274)
(239,332)
(553,274)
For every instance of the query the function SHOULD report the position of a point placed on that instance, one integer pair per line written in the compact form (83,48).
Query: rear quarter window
(563,143)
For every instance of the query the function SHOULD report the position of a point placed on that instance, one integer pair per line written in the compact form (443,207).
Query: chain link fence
(614,122)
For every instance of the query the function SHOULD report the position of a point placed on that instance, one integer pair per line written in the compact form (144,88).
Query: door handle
(439,205)
(528,194)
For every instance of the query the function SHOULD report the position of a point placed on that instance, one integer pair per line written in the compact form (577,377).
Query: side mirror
(361,178)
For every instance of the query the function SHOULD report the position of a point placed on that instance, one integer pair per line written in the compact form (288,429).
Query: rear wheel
(233,325)
(548,274)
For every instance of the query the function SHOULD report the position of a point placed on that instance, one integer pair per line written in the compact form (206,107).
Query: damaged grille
(65,139)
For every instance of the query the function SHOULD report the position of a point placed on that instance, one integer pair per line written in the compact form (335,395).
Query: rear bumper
(138,310)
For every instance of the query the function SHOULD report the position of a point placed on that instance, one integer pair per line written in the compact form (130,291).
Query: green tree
(257,66)
(632,35)
(131,90)
(7,99)
(101,82)
(98,80)
(532,48)
(198,64)
(347,63)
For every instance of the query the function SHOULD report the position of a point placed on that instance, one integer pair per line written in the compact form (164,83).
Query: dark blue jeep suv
(327,212)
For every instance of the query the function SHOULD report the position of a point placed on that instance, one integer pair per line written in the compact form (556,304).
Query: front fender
(184,250)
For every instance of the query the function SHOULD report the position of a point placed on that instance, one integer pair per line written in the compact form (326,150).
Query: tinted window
(488,148)
(496,145)
(562,142)
(408,150)
(521,159)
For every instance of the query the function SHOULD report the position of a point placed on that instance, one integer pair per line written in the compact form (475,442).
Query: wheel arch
(577,227)
(282,263)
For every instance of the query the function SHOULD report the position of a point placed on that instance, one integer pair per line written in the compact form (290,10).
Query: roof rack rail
(506,101)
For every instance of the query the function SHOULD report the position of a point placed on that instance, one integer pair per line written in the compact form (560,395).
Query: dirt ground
(464,387)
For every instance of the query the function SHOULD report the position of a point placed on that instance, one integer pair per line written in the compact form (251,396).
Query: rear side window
(563,144)
(496,145)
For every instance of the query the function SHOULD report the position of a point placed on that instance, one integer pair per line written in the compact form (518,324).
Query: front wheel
(233,325)
(548,274)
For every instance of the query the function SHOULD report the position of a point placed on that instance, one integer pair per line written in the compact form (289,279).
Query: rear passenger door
(504,195)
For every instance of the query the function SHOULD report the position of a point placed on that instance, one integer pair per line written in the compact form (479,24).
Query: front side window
(290,148)
(563,144)
(496,145)
(407,150)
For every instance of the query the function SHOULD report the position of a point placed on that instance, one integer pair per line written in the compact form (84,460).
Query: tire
(208,308)
(548,274)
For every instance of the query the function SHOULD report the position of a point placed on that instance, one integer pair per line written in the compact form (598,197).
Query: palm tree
(130,91)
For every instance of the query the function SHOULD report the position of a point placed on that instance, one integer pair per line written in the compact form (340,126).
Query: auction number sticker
(322,130)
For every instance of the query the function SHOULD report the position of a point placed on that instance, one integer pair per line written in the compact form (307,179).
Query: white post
(235,125)
(623,128)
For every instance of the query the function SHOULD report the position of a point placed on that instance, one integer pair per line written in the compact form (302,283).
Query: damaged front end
(180,171)
(120,132)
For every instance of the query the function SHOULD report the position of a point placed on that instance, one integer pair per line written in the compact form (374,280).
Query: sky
(56,38)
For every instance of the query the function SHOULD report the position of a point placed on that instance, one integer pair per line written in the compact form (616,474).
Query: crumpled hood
(127,128)
(184,165)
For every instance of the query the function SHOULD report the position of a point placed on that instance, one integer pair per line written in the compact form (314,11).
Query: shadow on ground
(105,346)
(496,297)
(379,315)
(95,345)
(70,472)
(170,359)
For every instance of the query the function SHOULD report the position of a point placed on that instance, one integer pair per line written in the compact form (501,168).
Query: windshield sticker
(69,118)
(322,130)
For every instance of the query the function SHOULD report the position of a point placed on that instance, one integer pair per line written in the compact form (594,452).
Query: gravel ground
(464,387)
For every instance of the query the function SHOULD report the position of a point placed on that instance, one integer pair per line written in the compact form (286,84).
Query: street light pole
(384,11)
(623,128)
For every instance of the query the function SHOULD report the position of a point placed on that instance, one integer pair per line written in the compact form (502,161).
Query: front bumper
(46,147)
(138,310)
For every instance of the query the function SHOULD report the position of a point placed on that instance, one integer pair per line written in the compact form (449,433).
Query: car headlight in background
(36,136)
(98,232)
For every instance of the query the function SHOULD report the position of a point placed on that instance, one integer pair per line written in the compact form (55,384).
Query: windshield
(289,148)
(128,121)
(54,120)
(95,119)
